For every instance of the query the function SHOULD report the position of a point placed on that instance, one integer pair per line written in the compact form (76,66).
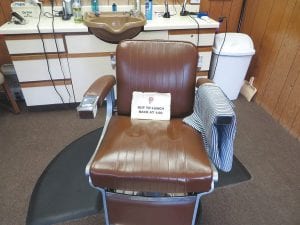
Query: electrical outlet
(194,1)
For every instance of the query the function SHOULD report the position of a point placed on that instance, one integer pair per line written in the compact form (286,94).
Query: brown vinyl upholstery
(153,156)
(101,87)
(141,211)
(157,66)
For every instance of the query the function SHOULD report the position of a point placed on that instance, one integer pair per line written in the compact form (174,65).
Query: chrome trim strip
(215,172)
(166,199)
(198,201)
(104,205)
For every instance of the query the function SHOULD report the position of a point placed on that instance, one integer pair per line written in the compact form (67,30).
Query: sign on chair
(150,106)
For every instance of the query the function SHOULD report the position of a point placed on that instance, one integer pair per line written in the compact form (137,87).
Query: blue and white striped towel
(211,104)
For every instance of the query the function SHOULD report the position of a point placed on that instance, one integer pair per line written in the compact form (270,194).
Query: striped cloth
(211,105)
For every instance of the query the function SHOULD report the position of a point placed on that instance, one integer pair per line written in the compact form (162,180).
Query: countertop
(157,23)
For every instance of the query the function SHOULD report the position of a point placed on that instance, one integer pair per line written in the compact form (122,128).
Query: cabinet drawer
(91,44)
(204,60)
(34,46)
(204,39)
(87,44)
(46,95)
(33,70)
(152,35)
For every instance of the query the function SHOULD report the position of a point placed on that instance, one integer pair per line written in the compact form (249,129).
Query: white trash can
(228,68)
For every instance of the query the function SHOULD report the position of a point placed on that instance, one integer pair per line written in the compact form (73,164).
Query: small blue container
(148,9)
(114,7)
(95,6)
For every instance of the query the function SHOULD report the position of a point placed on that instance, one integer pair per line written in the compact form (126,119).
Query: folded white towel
(215,118)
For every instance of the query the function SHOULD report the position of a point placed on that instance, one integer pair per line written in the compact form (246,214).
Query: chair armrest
(201,81)
(95,95)
(101,87)
(220,120)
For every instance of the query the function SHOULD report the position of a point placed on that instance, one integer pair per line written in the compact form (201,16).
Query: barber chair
(150,172)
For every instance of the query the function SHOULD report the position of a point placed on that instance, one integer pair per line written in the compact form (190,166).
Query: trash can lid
(235,44)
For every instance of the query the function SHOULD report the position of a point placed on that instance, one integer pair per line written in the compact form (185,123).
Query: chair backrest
(157,66)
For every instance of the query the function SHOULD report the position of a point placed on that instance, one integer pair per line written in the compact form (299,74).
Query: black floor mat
(237,174)
(63,193)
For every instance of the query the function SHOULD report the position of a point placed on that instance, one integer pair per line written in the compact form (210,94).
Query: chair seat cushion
(151,156)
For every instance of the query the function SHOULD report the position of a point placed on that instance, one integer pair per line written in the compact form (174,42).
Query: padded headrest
(157,66)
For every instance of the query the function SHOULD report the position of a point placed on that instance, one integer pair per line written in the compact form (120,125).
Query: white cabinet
(46,95)
(198,40)
(152,35)
(44,79)
(204,39)
(81,60)
(204,60)
(34,45)
(86,70)
(37,69)
(89,59)
(87,44)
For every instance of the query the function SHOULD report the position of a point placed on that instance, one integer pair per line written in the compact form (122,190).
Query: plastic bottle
(68,7)
(114,7)
(77,11)
(148,9)
(95,6)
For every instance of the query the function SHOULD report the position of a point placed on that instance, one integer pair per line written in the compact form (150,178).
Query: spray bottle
(77,11)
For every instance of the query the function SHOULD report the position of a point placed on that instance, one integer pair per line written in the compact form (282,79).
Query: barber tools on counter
(23,10)
(72,8)
(167,13)
(77,11)
(16,18)
(183,11)
(67,9)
